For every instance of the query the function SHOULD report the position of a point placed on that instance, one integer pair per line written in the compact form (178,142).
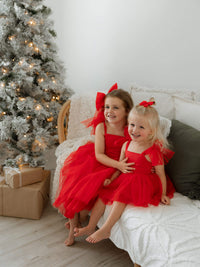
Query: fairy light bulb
(21,62)
(4,70)
(22,98)
(28,117)
(50,119)
(31,66)
(38,107)
(11,37)
(30,44)
(32,22)
(36,49)
(40,80)
(2,84)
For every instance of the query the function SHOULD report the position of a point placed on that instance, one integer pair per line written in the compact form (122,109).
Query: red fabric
(142,187)
(82,175)
(146,104)
(99,113)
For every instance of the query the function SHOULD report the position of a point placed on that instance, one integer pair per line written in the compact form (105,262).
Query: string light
(53,80)
(38,107)
(36,49)
(28,117)
(21,62)
(50,119)
(40,80)
(32,22)
(30,44)
(4,70)
(2,84)
(11,37)
(22,98)
(31,66)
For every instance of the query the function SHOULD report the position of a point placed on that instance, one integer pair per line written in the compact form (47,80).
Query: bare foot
(67,224)
(83,231)
(69,241)
(98,236)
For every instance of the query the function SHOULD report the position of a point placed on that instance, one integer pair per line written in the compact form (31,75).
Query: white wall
(151,43)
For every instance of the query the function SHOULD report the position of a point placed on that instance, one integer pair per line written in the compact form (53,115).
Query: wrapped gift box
(19,177)
(27,201)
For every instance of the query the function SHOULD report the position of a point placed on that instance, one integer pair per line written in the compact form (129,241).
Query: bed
(163,236)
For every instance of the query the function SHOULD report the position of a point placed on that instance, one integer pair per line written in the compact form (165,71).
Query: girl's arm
(117,173)
(160,171)
(123,166)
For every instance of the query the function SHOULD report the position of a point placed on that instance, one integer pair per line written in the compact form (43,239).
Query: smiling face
(139,128)
(114,110)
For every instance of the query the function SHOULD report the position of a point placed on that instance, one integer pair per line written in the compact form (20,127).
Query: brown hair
(124,96)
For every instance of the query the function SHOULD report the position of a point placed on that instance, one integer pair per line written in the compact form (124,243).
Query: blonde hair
(152,116)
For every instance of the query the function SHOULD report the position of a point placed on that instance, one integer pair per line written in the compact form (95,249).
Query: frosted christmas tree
(32,87)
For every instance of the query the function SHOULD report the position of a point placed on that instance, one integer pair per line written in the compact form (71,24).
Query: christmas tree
(32,88)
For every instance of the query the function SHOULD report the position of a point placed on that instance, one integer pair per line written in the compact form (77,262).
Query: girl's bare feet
(69,241)
(67,225)
(98,236)
(83,231)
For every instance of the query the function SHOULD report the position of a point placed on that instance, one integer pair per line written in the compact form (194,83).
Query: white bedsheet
(163,236)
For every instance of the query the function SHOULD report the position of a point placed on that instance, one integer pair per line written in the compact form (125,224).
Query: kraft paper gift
(27,201)
(19,177)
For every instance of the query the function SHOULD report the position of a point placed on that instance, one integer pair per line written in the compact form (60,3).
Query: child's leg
(83,215)
(73,223)
(104,231)
(96,214)
(82,218)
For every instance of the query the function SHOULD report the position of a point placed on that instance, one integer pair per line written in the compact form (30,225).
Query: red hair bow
(99,114)
(146,104)
(100,98)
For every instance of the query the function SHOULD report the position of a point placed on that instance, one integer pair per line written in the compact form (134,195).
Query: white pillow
(187,111)
(164,98)
(82,107)
(165,125)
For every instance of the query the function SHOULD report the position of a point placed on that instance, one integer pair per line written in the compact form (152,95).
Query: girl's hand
(107,182)
(165,200)
(126,167)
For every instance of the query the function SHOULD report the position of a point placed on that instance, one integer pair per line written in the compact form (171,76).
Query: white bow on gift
(9,172)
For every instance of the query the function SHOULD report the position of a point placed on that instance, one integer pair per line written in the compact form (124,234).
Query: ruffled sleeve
(158,154)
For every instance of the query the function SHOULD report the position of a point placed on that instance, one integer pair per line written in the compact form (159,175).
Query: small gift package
(27,201)
(19,177)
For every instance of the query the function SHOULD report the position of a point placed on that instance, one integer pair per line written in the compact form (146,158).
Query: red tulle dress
(142,187)
(82,176)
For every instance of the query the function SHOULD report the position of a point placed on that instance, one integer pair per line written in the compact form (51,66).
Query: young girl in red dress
(85,170)
(147,148)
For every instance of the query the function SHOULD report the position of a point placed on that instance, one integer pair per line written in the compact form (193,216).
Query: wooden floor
(38,243)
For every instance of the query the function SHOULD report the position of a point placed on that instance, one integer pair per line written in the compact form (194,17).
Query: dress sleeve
(159,155)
